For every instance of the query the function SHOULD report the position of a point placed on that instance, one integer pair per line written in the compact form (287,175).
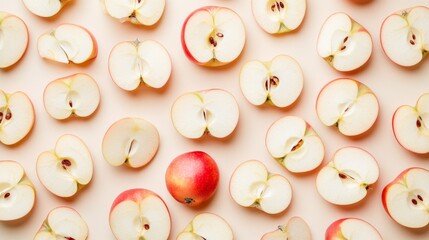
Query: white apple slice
(213,36)
(140,12)
(130,141)
(294,144)
(67,43)
(279,81)
(295,229)
(411,126)
(352,228)
(16,117)
(344,43)
(17,193)
(139,214)
(134,63)
(207,226)
(45,8)
(404,36)
(75,95)
(348,177)
(349,105)
(13,39)
(251,185)
(279,16)
(406,198)
(212,111)
(63,223)
(67,168)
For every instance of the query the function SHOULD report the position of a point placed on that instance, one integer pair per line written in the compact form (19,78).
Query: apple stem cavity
(189,201)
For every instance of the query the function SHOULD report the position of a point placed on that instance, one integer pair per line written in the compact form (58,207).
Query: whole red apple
(192,178)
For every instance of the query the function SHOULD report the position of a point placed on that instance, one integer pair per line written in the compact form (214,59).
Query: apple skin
(192,178)
(134,195)
(26,45)
(334,231)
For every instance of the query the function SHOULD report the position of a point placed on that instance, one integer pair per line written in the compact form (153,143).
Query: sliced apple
(13,39)
(207,226)
(45,8)
(352,228)
(140,12)
(295,229)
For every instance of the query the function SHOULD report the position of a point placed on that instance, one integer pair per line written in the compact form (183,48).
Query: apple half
(278,82)
(213,36)
(347,178)
(207,226)
(212,111)
(132,64)
(17,193)
(140,12)
(352,228)
(343,43)
(67,43)
(16,117)
(13,39)
(45,8)
(130,141)
(67,168)
(75,95)
(406,198)
(63,223)
(139,214)
(348,105)
(404,36)
(279,16)
(252,185)
(411,125)
(295,229)
(293,143)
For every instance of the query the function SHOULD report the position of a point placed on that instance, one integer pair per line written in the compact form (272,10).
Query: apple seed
(7,195)
(8,115)
(414,201)
(146,226)
(66,163)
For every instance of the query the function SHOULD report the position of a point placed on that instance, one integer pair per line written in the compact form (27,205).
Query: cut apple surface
(279,16)
(75,95)
(63,223)
(212,111)
(16,117)
(295,229)
(207,226)
(130,141)
(13,39)
(140,12)
(343,43)
(279,81)
(213,36)
(17,193)
(45,8)
(406,198)
(67,43)
(404,36)
(139,214)
(132,64)
(411,126)
(294,144)
(349,105)
(352,228)
(67,168)
(251,185)
(348,177)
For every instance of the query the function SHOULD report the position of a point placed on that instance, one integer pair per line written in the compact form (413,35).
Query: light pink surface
(392,84)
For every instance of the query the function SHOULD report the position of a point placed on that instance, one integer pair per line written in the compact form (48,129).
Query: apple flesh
(140,12)
(295,229)
(213,36)
(279,81)
(352,228)
(406,198)
(16,117)
(207,226)
(251,185)
(130,141)
(67,43)
(348,177)
(343,43)
(294,144)
(13,39)
(66,169)
(45,8)
(279,16)
(139,214)
(349,105)
(17,193)
(132,64)
(192,178)
(75,95)
(404,36)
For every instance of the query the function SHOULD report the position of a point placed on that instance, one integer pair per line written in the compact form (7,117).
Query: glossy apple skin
(135,195)
(334,230)
(192,178)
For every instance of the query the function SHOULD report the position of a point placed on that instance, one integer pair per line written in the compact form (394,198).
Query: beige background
(393,85)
